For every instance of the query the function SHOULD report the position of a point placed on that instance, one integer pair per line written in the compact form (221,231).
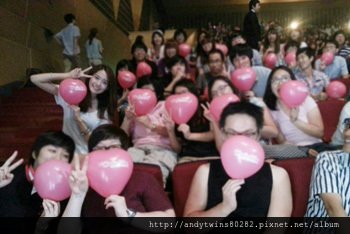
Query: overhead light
(294,25)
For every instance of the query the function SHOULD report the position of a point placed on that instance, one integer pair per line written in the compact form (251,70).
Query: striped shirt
(331,174)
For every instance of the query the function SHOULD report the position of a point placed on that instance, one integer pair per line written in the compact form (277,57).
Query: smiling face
(272,37)
(139,54)
(304,61)
(279,77)
(216,64)
(178,68)
(157,39)
(50,152)
(99,82)
(170,52)
(241,61)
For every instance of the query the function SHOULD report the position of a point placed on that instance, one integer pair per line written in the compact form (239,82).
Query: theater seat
(330,110)
(152,169)
(299,171)
(182,179)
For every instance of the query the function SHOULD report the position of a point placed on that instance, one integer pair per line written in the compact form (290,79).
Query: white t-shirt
(71,128)
(344,119)
(293,134)
(67,37)
(93,50)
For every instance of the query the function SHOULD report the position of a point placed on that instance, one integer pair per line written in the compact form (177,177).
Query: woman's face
(295,35)
(98,82)
(178,68)
(180,38)
(139,54)
(157,40)
(279,77)
(272,37)
(220,88)
(50,152)
(170,52)
(207,47)
(181,90)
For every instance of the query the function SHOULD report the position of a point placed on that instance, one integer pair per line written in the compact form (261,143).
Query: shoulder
(309,103)
(279,174)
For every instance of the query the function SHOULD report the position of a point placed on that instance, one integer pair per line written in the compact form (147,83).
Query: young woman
(170,51)
(301,126)
(18,197)
(272,44)
(94,48)
(97,107)
(156,53)
(194,140)
(206,44)
(180,36)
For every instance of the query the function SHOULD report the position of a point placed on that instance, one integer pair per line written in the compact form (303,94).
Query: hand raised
(79,73)
(51,209)
(78,180)
(6,176)
(118,203)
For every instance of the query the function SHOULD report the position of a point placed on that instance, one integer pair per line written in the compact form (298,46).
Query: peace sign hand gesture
(6,176)
(78,180)
(79,73)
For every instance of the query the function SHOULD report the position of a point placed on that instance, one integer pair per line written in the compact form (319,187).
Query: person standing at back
(251,26)
(94,48)
(68,38)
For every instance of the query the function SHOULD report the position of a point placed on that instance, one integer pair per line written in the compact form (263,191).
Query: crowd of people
(283,131)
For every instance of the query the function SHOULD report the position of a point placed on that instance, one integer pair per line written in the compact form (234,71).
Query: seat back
(299,171)
(182,179)
(151,169)
(330,110)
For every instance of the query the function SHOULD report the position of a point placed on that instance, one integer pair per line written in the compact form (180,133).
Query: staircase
(24,115)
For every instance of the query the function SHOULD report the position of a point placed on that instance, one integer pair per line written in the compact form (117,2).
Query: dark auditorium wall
(23,44)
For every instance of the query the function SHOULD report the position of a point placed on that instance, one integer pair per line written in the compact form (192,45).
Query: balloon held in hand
(73,91)
(181,107)
(293,93)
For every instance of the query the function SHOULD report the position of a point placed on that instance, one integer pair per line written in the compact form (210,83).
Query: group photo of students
(223,121)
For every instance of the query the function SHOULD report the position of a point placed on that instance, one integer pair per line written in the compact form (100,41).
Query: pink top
(145,136)
(293,134)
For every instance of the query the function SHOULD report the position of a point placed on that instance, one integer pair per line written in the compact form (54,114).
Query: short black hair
(124,63)
(175,60)
(57,139)
(270,98)
(189,84)
(178,32)
(332,42)
(108,132)
(241,50)
(155,81)
(339,32)
(217,51)
(253,3)
(139,44)
(306,50)
(243,107)
(69,18)
(222,78)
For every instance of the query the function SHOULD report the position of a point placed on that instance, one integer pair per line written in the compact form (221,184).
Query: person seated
(265,194)
(329,187)
(316,81)
(344,120)
(142,196)
(338,68)
(238,38)
(272,44)
(148,133)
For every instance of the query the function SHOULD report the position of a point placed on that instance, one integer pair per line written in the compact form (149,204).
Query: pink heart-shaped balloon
(109,171)
(51,180)
(243,78)
(241,157)
(327,58)
(293,93)
(73,91)
(144,100)
(270,60)
(184,50)
(219,103)
(181,107)
(290,58)
(336,89)
(143,69)
(222,47)
(126,79)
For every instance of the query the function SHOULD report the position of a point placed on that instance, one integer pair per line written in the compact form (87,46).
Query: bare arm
(333,204)
(314,127)
(269,129)
(281,202)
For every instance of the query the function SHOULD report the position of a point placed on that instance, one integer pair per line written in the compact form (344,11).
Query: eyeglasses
(249,133)
(279,80)
(102,147)
(219,90)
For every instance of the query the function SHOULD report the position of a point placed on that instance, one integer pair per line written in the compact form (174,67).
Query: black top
(16,199)
(253,199)
(251,30)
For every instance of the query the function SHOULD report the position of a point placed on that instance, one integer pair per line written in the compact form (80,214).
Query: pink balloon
(293,93)
(219,103)
(51,180)
(270,60)
(327,58)
(184,50)
(181,107)
(241,157)
(222,47)
(290,58)
(126,79)
(336,89)
(144,100)
(73,91)
(243,78)
(109,171)
(143,69)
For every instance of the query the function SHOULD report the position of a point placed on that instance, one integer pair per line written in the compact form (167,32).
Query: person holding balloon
(144,124)
(140,195)
(18,183)
(207,44)
(294,111)
(241,184)
(85,106)
(170,50)
(316,81)
(332,65)
(189,131)
(271,50)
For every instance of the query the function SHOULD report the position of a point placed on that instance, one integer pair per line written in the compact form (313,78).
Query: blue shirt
(318,83)
(335,70)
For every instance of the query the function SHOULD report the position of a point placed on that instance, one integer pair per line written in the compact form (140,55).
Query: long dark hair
(270,98)
(267,42)
(92,35)
(106,100)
